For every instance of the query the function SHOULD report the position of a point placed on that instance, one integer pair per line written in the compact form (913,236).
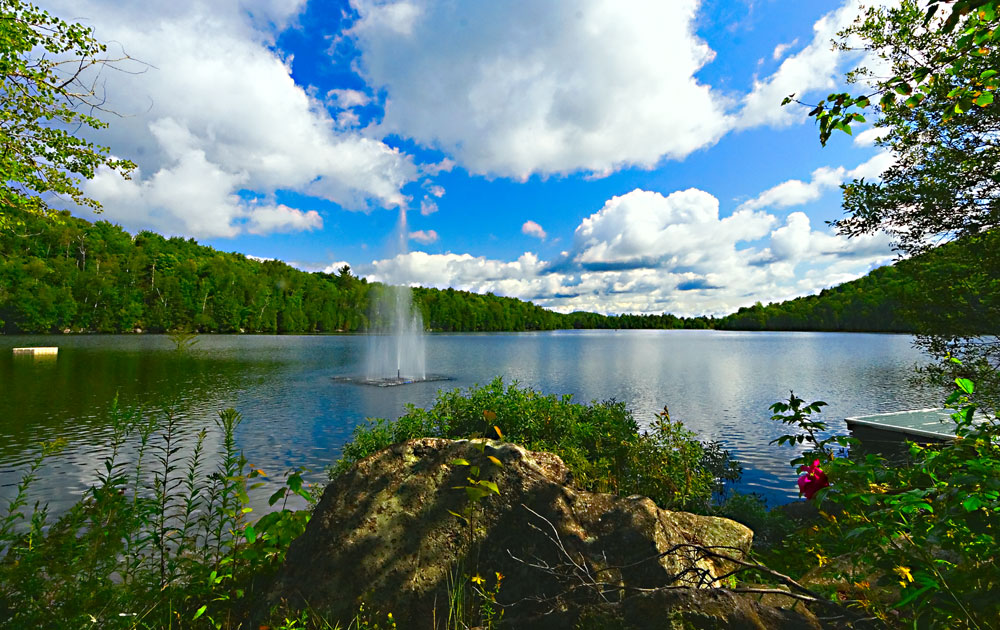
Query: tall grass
(164,539)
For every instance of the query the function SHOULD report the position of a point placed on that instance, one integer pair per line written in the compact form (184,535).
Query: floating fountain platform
(391,381)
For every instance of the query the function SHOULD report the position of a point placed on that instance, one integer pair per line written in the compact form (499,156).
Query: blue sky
(584,154)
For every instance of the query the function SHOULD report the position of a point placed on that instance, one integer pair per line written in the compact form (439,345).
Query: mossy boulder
(386,534)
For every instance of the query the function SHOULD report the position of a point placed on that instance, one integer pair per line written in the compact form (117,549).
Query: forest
(61,273)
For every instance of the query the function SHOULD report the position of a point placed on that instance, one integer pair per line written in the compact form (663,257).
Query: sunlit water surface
(294,414)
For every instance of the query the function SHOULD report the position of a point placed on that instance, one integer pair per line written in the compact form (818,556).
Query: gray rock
(384,534)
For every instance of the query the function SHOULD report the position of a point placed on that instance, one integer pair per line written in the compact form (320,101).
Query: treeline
(64,273)
(951,290)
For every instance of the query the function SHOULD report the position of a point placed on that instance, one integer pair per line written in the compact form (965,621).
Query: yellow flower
(904,572)
(478,579)
(499,577)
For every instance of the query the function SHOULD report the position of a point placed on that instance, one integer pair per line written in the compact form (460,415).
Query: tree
(51,71)
(936,108)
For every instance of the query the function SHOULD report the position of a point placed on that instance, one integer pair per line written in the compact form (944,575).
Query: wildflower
(813,480)
(904,572)
(478,579)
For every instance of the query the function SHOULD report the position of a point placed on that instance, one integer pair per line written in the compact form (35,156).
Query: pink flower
(813,480)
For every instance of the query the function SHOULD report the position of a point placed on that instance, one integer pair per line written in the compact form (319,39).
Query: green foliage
(163,540)
(49,79)
(916,545)
(770,526)
(601,443)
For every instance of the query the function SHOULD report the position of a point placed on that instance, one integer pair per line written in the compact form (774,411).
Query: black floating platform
(390,381)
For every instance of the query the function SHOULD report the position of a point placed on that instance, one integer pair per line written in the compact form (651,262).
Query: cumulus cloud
(346,99)
(681,257)
(427,206)
(869,137)
(533,229)
(515,89)
(424,236)
(281,218)
(795,192)
(643,228)
(216,111)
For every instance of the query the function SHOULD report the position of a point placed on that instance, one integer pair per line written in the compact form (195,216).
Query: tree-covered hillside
(919,294)
(71,274)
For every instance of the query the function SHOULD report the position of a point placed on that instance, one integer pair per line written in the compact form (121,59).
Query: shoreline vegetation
(166,537)
(63,274)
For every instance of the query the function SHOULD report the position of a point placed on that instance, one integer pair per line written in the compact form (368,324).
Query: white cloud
(434,169)
(682,258)
(437,191)
(427,206)
(424,236)
(874,167)
(217,112)
(533,229)
(795,192)
(346,99)
(281,218)
(781,49)
(868,137)
(817,66)
(644,228)
(520,88)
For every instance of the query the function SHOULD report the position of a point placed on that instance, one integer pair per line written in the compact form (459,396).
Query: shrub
(916,545)
(601,443)
(163,540)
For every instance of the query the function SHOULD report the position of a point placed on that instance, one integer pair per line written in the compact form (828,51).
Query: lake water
(719,383)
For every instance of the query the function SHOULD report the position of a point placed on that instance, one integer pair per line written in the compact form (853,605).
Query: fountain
(396,332)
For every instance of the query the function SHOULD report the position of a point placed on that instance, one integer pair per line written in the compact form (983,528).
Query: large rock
(385,534)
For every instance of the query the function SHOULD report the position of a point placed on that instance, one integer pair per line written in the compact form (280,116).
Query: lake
(718,383)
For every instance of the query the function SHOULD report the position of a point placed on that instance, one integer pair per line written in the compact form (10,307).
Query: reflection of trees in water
(72,398)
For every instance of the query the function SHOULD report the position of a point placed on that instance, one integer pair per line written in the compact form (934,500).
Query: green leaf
(200,612)
(460,462)
(972,503)
(475,493)
(277,496)
(984,99)
(250,533)
(965,385)
(987,74)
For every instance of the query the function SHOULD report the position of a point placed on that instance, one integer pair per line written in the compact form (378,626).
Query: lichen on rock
(386,533)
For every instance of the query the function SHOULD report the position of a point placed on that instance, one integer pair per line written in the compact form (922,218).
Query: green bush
(163,540)
(915,545)
(601,443)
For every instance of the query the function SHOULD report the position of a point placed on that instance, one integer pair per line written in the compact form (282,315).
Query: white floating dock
(935,424)
(38,351)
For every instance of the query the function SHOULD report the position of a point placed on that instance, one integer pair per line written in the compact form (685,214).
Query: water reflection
(719,383)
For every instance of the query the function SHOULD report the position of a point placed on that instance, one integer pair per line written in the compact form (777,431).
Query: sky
(592,155)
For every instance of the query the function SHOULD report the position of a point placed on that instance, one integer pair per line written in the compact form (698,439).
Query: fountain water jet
(396,349)
(396,331)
